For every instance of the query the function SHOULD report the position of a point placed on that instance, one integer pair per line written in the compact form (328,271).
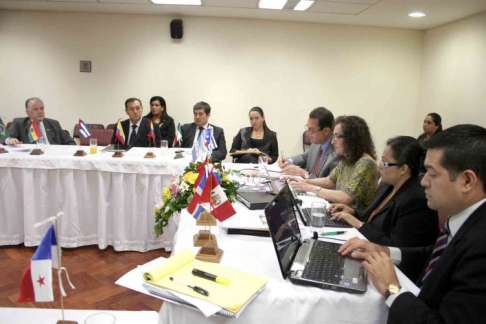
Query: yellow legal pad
(231,297)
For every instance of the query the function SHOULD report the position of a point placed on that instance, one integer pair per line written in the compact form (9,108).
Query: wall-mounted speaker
(176,30)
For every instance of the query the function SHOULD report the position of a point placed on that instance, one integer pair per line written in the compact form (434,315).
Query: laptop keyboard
(325,264)
(327,220)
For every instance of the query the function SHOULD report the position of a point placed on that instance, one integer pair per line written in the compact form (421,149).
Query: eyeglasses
(310,130)
(337,136)
(389,164)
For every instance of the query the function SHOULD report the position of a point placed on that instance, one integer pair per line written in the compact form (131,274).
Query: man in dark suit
(320,159)
(454,280)
(51,130)
(136,128)
(190,132)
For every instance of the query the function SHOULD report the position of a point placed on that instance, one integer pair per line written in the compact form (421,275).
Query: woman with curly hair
(354,180)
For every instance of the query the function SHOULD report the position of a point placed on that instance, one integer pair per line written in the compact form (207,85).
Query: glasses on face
(388,164)
(337,136)
(311,131)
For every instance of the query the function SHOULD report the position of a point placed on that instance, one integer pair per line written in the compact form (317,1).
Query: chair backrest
(90,127)
(305,140)
(103,136)
(111,126)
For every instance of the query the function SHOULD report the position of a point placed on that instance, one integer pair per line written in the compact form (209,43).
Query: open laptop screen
(284,228)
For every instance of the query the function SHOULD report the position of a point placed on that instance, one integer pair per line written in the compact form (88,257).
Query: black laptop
(309,262)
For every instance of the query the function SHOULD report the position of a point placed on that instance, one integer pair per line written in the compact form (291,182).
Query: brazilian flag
(3,131)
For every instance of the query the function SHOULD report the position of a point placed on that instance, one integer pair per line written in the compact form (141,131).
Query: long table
(105,200)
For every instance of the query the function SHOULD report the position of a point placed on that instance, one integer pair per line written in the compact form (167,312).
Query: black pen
(333,233)
(210,276)
(197,289)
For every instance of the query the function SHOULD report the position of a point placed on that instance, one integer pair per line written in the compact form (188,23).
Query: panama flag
(36,282)
(83,129)
(34,131)
(178,135)
(151,133)
(222,209)
(119,133)
(195,206)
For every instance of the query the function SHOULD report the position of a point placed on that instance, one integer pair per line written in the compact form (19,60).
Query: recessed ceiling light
(303,5)
(178,2)
(417,14)
(271,4)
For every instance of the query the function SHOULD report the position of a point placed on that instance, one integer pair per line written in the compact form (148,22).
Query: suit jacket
(167,130)
(306,160)
(405,220)
(242,141)
(189,132)
(141,140)
(455,291)
(54,132)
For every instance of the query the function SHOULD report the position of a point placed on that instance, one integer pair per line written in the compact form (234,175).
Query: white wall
(453,73)
(286,68)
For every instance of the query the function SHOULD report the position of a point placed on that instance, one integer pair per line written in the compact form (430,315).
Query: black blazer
(141,140)
(405,220)
(189,132)
(242,141)
(167,129)
(54,132)
(455,291)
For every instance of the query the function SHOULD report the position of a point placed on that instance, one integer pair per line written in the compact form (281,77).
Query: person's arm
(236,146)
(66,138)
(14,134)
(273,152)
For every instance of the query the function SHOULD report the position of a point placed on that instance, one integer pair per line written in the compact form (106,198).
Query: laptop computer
(309,262)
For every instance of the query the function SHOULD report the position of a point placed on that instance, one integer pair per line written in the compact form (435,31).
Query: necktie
(133,136)
(439,247)
(201,130)
(317,162)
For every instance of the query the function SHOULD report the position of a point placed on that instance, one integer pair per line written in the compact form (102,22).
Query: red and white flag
(222,209)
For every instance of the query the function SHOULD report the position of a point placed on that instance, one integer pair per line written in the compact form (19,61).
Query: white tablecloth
(281,301)
(105,200)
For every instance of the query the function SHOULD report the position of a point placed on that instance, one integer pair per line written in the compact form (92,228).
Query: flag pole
(60,264)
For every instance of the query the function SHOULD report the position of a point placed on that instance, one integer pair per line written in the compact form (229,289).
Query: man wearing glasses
(320,159)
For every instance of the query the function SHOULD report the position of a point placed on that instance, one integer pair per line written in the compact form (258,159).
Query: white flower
(184,187)
(159,205)
(166,209)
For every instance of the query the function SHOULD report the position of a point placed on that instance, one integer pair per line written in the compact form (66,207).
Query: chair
(90,127)
(111,126)
(103,136)
(306,141)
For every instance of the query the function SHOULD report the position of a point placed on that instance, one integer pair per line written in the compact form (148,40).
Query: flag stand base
(66,322)
(149,155)
(206,219)
(80,153)
(117,155)
(178,156)
(203,237)
(2,150)
(210,253)
(36,152)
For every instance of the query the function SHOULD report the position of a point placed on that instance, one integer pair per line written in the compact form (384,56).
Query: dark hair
(324,116)
(260,111)
(132,100)
(406,150)
(202,105)
(162,104)
(357,139)
(464,149)
(437,120)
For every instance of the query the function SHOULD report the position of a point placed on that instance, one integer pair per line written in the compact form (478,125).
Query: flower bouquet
(178,194)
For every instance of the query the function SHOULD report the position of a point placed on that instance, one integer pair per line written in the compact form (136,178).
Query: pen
(212,277)
(333,233)
(197,289)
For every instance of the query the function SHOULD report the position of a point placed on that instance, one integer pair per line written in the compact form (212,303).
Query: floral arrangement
(178,194)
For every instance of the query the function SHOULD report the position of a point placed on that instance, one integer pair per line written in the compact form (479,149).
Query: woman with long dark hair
(250,141)
(158,114)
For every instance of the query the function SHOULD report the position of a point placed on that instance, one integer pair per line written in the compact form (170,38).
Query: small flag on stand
(34,131)
(210,142)
(3,131)
(119,133)
(151,133)
(83,129)
(222,209)
(195,206)
(178,135)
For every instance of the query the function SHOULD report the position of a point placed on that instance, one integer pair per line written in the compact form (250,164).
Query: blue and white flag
(83,129)
(210,142)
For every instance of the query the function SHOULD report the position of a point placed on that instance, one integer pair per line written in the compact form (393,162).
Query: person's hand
(293,170)
(252,150)
(338,207)
(361,249)
(282,162)
(348,218)
(13,141)
(381,271)
(302,185)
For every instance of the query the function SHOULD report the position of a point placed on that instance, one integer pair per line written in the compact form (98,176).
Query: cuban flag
(222,209)
(36,282)
(83,129)
(196,205)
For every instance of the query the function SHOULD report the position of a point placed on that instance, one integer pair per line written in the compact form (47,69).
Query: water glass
(41,143)
(93,145)
(164,146)
(318,212)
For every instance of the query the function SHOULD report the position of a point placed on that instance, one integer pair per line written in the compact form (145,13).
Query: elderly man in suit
(51,130)
(137,128)
(191,132)
(320,159)
(453,271)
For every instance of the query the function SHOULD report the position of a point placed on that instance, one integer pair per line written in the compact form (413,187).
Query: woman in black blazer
(158,114)
(398,215)
(258,137)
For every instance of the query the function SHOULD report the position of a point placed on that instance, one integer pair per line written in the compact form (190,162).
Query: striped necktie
(439,247)
(317,162)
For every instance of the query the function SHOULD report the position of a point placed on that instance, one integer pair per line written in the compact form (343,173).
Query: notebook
(309,262)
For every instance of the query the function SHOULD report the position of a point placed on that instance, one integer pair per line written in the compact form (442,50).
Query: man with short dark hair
(51,130)
(136,128)
(320,159)
(192,131)
(452,273)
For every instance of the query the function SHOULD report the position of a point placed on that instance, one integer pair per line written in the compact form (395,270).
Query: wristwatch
(306,176)
(317,190)
(392,289)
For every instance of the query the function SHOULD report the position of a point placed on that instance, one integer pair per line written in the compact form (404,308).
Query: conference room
(364,58)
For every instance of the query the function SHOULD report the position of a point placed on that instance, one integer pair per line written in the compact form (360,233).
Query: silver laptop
(309,262)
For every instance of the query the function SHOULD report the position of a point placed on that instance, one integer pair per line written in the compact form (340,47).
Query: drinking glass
(318,212)
(41,143)
(93,145)
(164,146)
(100,318)
(262,163)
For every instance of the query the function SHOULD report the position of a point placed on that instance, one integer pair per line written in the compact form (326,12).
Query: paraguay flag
(119,133)
(195,206)
(151,133)
(178,135)
(83,129)
(34,131)
(36,282)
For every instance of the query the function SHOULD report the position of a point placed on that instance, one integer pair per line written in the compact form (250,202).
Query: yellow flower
(225,179)
(190,177)
(166,194)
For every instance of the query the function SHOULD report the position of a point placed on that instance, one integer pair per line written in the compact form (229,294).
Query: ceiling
(382,13)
